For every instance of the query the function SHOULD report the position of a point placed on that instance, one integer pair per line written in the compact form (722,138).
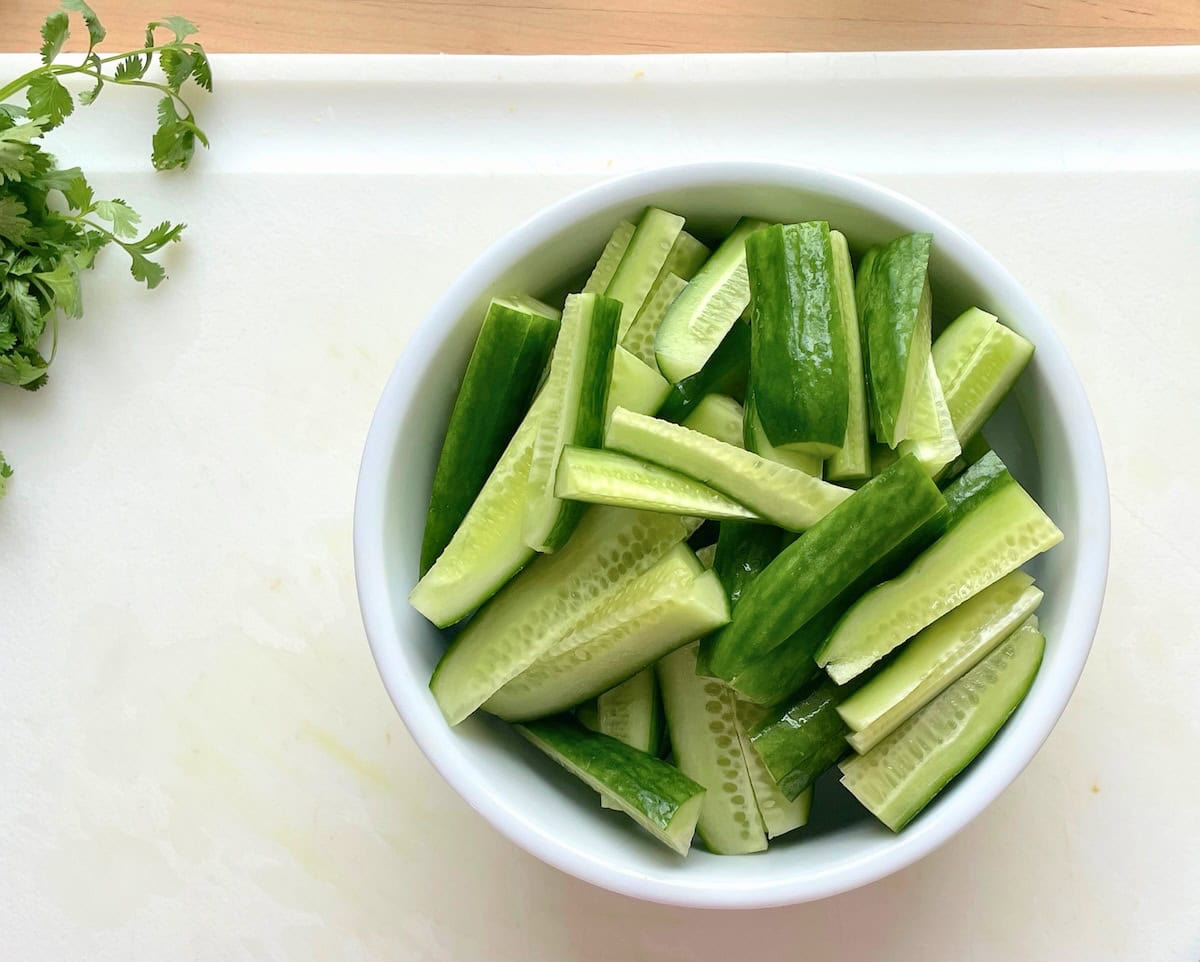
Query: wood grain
(633,26)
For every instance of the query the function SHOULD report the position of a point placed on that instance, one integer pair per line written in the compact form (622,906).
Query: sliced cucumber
(780,814)
(978,360)
(502,375)
(657,796)
(815,569)
(703,314)
(704,740)
(931,431)
(635,385)
(725,373)
(657,231)
(527,304)
(937,657)
(799,742)
(719,416)
(639,339)
(894,308)
(610,257)
(606,477)
(852,462)
(617,642)
(754,438)
(587,715)
(577,391)
(904,772)
(994,527)
(973,449)
(631,713)
(687,256)
(610,547)
(781,495)
(798,360)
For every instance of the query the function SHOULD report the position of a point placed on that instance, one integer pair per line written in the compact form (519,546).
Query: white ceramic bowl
(1045,432)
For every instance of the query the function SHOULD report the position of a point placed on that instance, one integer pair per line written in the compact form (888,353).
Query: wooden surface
(633,26)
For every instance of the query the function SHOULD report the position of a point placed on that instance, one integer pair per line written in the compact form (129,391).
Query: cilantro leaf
(145,270)
(202,71)
(54,34)
(13,226)
(177,64)
(174,141)
(63,283)
(49,99)
(95,28)
(180,26)
(124,219)
(133,67)
(17,153)
(78,192)
(6,472)
(87,97)
(22,371)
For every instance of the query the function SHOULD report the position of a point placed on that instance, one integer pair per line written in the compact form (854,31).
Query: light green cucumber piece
(686,258)
(894,310)
(489,548)
(588,715)
(702,722)
(937,657)
(779,813)
(657,231)
(853,461)
(778,494)
(994,527)
(755,439)
(719,416)
(546,602)
(635,385)
(577,390)
(639,339)
(707,555)
(931,436)
(905,771)
(621,640)
(631,713)
(978,360)
(714,299)
(610,257)
(659,797)
(528,304)
(606,477)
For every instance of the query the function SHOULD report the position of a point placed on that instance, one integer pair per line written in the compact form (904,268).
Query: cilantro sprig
(52,226)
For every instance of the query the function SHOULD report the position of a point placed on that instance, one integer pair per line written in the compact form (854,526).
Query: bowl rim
(437,741)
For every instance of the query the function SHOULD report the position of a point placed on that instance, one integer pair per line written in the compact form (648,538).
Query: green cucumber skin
(653,792)
(974,486)
(852,462)
(754,438)
(800,742)
(825,561)
(893,309)
(588,429)
(798,363)
(497,389)
(743,551)
(726,372)
(978,719)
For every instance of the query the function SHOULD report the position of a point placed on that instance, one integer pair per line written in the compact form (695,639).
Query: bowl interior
(523,793)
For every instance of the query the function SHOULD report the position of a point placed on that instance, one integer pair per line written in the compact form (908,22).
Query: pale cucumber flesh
(993,539)
(635,385)
(719,416)
(852,462)
(755,439)
(702,723)
(904,772)
(657,796)
(606,477)
(610,547)
(779,813)
(779,494)
(931,436)
(652,241)
(639,339)
(621,641)
(937,657)
(610,257)
(630,714)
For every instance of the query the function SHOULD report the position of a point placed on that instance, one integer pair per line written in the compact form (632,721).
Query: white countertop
(198,759)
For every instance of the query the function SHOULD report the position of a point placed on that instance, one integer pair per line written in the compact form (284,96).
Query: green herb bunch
(51,224)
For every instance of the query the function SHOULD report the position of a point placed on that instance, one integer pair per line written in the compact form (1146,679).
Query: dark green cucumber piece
(652,241)
(577,394)
(725,373)
(780,814)
(743,551)
(978,360)
(825,561)
(704,741)
(754,438)
(801,741)
(774,492)
(894,309)
(502,374)
(973,449)
(546,602)
(852,462)
(631,713)
(701,316)
(606,477)
(798,362)
(657,796)
(993,528)
(900,776)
